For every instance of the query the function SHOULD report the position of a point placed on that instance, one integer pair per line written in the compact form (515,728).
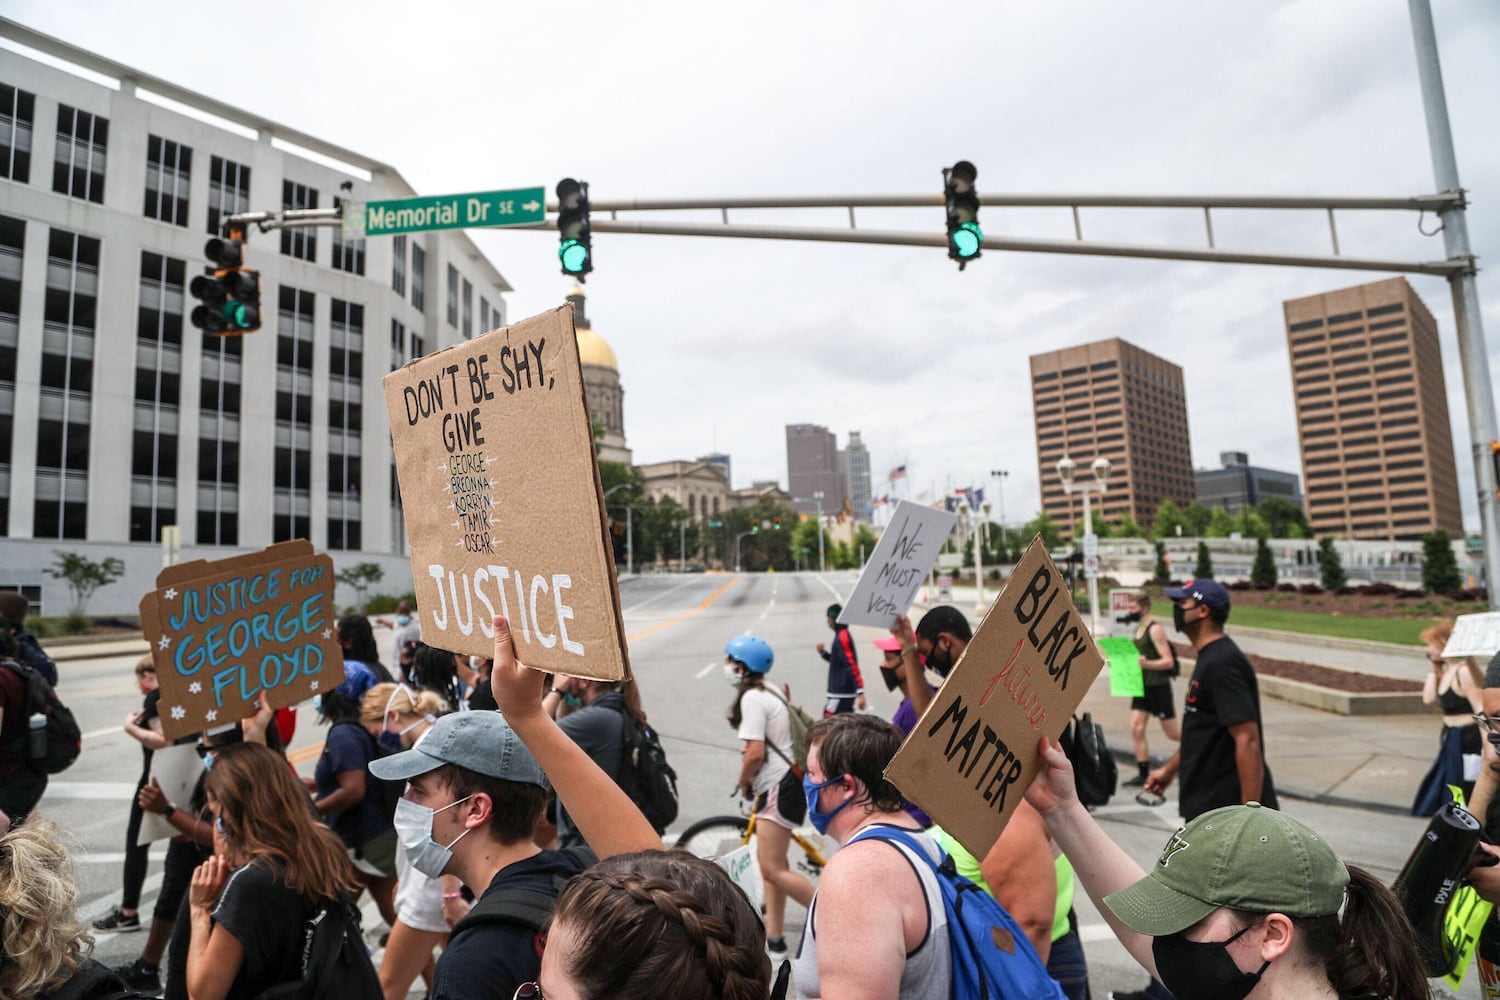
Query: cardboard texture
(1126,677)
(1474,635)
(904,556)
(500,490)
(974,751)
(222,632)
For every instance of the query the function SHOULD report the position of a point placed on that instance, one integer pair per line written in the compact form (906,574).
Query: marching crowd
(485,809)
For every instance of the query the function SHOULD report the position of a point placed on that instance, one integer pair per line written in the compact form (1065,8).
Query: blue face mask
(317,703)
(820,820)
(208,761)
(403,620)
(391,741)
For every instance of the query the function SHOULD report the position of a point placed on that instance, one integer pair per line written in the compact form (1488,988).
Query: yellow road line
(307,753)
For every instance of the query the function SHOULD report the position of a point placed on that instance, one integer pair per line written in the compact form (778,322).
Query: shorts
(1157,701)
(376,857)
(419,899)
(785,805)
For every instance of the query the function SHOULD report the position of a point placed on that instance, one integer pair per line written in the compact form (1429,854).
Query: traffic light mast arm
(289,218)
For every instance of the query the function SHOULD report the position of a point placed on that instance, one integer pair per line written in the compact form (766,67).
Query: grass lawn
(1376,629)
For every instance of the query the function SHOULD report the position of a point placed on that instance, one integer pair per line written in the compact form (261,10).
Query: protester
(1157,663)
(21,784)
(434,670)
(893,671)
(1488,782)
(481,698)
(354,806)
(406,629)
(846,688)
(936,644)
(596,724)
(762,720)
(357,640)
(474,794)
(14,607)
(400,717)
(273,866)
(145,728)
(1454,686)
(1245,903)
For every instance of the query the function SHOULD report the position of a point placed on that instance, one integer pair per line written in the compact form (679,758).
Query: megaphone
(1432,874)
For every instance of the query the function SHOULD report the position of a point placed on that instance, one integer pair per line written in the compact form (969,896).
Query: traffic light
(962,202)
(575,248)
(228,292)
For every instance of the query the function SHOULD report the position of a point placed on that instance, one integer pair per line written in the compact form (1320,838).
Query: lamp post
(979,543)
(1002,475)
(629,537)
(818,498)
(737,538)
(1066,470)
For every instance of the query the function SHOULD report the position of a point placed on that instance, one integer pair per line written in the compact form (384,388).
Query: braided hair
(662,924)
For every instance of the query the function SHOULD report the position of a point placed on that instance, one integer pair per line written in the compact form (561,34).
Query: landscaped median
(1328,689)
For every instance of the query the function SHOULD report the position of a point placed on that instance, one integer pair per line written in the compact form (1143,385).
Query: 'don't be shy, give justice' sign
(500,491)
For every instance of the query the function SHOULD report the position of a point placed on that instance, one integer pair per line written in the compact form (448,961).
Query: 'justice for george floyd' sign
(500,491)
(974,751)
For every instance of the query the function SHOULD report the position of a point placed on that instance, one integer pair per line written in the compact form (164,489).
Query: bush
(75,623)
(1344,591)
(1203,566)
(1381,589)
(1310,588)
(1463,595)
(1408,595)
(1263,570)
(1330,564)
(1287,588)
(1239,585)
(1439,567)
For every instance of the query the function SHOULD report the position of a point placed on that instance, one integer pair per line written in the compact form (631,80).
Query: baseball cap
(1246,857)
(1203,590)
(475,741)
(834,610)
(889,644)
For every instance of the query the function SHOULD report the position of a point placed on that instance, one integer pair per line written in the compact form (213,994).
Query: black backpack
(335,962)
(1095,774)
(93,981)
(60,740)
(645,775)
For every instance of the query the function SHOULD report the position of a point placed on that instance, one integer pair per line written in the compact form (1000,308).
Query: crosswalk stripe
(101,790)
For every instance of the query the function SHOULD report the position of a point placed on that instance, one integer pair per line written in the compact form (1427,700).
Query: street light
(1067,469)
(629,532)
(1002,475)
(979,543)
(818,498)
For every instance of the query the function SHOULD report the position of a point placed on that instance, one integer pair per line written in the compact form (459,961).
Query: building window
(292,473)
(158,361)
(17,112)
(168,167)
(348,254)
(398,344)
(468,310)
(67,378)
(12,247)
(452,296)
(345,423)
(418,345)
(219,441)
(78,164)
(398,265)
(299,242)
(418,277)
(228,191)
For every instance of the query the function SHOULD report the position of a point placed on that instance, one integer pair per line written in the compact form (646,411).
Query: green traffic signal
(961,203)
(575,241)
(574,256)
(966,240)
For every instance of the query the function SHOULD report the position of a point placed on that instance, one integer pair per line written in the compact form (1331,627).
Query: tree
(1250,524)
(1204,566)
(1042,525)
(1161,571)
(1127,527)
(1330,565)
(1439,567)
(360,576)
(1168,519)
(84,576)
(805,542)
(1197,517)
(1282,517)
(1220,524)
(864,543)
(1263,570)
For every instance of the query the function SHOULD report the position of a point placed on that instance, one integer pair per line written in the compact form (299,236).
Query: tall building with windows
(118,417)
(1372,413)
(855,461)
(813,466)
(1238,484)
(1113,400)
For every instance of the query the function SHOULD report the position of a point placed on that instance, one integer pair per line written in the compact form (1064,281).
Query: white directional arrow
(532,206)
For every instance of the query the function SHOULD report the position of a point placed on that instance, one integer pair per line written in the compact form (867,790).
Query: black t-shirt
(266,916)
(349,747)
(1222,692)
(598,728)
(491,959)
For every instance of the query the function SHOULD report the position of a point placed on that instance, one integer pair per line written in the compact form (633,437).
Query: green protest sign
(1125,677)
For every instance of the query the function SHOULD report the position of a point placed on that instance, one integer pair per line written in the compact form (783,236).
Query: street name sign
(483,209)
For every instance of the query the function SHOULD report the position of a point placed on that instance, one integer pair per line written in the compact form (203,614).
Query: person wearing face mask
(1222,758)
(939,640)
(596,723)
(1158,661)
(399,717)
(405,629)
(1244,903)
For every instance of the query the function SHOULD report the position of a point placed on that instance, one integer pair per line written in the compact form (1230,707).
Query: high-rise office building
(723,461)
(1238,484)
(1372,414)
(856,465)
(1114,400)
(812,466)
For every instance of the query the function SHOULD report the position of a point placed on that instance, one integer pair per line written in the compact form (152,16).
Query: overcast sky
(722,342)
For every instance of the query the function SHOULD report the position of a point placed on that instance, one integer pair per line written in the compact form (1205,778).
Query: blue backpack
(992,957)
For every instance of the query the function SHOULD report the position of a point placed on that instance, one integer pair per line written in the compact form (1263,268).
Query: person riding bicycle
(763,721)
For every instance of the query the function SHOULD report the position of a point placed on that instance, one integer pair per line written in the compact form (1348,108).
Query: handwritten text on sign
(974,751)
(901,560)
(494,453)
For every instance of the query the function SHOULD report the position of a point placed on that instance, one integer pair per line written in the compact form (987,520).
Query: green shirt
(968,866)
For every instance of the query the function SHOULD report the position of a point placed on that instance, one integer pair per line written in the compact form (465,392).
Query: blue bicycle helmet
(753,652)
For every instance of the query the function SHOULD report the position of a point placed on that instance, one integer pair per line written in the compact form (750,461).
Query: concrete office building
(119,418)
(854,459)
(1372,413)
(1114,400)
(1238,484)
(812,466)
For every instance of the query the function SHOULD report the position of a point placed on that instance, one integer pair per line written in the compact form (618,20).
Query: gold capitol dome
(592,348)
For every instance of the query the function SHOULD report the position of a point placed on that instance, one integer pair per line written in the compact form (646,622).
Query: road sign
(1091,565)
(518,207)
(1090,545)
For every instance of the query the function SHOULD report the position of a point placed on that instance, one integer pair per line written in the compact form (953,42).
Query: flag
(976,498)
(899,472)
(880,501)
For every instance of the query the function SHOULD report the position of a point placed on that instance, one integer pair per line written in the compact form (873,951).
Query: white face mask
(732,675)
(413,825)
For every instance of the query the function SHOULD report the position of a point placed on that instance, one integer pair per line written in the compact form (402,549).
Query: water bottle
(38,736)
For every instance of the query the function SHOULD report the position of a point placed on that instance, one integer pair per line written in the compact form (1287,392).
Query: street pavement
(1351,778)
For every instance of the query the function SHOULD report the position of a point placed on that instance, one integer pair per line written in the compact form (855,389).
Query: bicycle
(718,835)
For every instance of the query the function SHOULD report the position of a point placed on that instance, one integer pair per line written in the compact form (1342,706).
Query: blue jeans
(1066,963)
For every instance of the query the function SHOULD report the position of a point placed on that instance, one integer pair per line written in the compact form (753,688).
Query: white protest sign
(1474,635)
(177,770)
(902,559)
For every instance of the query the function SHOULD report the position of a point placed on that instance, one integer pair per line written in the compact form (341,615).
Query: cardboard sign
(974,751)
(902,559)
(504,514)
(1474,635)
(1126,679)
(177,770)
(222,632)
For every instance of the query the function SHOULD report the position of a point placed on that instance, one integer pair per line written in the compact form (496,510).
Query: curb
(1342,702)
(1326,641)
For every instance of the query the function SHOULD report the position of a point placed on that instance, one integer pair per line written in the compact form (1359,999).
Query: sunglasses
(1490,726)
(528,991)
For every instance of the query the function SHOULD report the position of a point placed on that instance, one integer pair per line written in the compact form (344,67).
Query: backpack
(529,906)
(645,774)
(800,722)
(62,739)
(992,957)
(93,981)
(1095,774)
(335,961)
(1176,663)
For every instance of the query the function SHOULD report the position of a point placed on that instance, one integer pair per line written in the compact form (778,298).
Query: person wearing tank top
(1454,686)
(1157,663)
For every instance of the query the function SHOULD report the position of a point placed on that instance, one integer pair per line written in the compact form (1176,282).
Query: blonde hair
(44,940)
(412,703)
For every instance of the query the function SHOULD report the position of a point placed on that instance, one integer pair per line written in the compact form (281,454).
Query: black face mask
(940,660)
(1202,968)
(892,682)
(1179,622)
(1133,617)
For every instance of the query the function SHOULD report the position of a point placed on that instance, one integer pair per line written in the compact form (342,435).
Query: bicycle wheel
(713,837)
